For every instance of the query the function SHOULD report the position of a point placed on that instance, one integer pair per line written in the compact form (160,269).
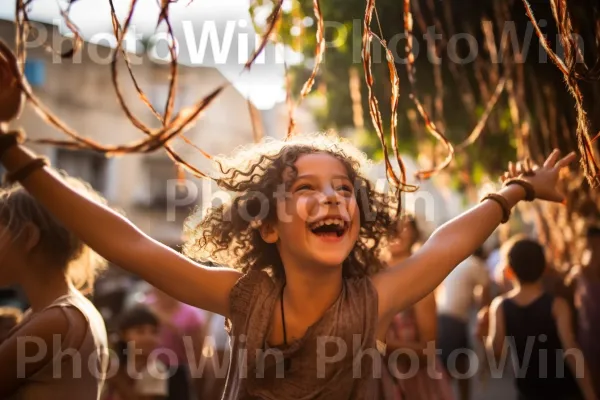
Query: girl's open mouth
(329,228)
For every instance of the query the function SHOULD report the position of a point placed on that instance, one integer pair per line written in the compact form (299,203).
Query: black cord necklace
(287,362)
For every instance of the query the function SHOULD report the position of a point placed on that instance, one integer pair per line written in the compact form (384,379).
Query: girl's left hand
(545,178)
(11,94)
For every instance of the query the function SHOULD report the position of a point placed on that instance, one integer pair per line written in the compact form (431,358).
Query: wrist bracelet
(529,190)
(26,170)
(10,139)
(502,202)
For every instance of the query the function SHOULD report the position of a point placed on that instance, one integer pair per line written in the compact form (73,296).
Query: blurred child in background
(540,329)
(140,375)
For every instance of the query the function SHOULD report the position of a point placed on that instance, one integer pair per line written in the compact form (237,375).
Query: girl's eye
(345,188)
(303,187)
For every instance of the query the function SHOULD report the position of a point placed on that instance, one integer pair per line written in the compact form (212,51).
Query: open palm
(545,178)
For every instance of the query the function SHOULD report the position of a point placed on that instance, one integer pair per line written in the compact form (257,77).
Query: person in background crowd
(503,276)
(139,375)
(552,280)
(110,292)
(216,353)
(529,311)
(585,281)
(9,318)
(182,331)
(54,268)
(455,300)
(412,329)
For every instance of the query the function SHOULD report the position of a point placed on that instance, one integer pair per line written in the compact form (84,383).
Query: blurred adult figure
(457,298)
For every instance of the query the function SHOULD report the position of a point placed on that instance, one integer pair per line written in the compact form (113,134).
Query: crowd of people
(308,284)
(477,309)
(183,352)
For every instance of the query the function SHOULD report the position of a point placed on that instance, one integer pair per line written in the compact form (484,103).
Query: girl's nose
(331,197)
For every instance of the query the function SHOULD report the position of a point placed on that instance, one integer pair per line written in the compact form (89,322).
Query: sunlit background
(263,84)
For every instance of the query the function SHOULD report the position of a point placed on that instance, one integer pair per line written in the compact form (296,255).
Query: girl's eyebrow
(337,176)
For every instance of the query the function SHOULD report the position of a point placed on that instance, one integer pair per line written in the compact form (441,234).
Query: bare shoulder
(37,332)
(55,323)
(48,322)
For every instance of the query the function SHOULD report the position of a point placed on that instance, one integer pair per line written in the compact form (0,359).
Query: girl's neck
(309,293)
(43,289)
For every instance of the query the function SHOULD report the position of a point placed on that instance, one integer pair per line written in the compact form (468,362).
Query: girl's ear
(269,233)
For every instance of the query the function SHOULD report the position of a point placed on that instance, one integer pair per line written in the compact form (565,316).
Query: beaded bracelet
(502,202)
(23,172)
(529,190)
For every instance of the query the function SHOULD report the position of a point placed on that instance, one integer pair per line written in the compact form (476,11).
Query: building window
(86,165)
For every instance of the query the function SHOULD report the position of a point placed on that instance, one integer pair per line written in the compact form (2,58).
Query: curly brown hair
(225,235)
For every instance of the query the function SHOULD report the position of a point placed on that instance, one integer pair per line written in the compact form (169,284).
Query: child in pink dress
(410,333)
(428,382)
(181,337)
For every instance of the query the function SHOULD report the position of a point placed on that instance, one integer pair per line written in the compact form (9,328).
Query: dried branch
(398,182)
(319,52)
(408,27)
(588,152)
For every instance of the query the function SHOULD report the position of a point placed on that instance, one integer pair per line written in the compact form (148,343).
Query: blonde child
(59,348)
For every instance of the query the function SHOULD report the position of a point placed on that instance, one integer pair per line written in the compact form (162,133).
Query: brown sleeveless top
(78,380)
(338,357)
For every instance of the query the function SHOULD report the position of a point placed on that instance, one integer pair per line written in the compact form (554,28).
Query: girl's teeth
(329,221)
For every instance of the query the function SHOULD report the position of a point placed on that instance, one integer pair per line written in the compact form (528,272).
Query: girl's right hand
(544,179)
(11,94)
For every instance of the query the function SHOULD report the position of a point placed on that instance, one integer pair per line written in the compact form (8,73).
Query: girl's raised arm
(412,279)
(119,241)
(105,231)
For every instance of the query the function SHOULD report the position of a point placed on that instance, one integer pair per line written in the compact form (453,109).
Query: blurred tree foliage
(536,80)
